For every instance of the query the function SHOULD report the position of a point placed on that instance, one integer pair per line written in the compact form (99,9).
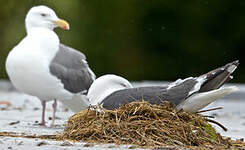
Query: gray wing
(151,94)
(71,67)
(175,92)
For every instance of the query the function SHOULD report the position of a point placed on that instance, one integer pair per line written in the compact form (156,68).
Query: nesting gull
(43,67)
(190,94)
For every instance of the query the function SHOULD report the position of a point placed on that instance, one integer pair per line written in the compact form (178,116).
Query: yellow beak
(62,24)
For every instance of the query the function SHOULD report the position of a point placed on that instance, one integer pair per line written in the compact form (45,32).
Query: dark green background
(141,39)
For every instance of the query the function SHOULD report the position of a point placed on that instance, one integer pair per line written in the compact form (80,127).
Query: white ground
(27,111)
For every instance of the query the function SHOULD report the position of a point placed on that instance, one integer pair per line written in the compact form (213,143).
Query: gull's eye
(122,84)
(43,15)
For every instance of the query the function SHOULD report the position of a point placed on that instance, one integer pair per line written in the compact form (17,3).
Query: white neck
(30,29)
(47,40)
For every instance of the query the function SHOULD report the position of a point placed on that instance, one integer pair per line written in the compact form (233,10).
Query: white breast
(28,65)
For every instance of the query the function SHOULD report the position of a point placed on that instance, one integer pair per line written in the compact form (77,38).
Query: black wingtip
(231,67)
(216,78)
(236,62)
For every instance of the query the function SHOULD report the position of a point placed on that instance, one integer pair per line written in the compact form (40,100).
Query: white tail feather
(200,100)
(77,103)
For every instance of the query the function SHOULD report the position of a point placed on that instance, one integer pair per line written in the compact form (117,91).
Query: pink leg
(54,107)
(43,113)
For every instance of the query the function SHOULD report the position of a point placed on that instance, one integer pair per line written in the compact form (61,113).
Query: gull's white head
(44,17)
(104,86)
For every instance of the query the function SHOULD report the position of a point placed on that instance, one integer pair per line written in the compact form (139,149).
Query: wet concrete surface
(23,115)
(25,112)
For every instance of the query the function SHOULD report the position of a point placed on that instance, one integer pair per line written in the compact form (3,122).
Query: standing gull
(190,94)
(43,67)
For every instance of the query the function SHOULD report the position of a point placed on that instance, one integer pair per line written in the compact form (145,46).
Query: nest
(142,124)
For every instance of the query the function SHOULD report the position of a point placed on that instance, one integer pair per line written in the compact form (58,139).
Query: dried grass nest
(144,125)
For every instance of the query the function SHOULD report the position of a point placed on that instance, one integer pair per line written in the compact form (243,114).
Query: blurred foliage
(141,40)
